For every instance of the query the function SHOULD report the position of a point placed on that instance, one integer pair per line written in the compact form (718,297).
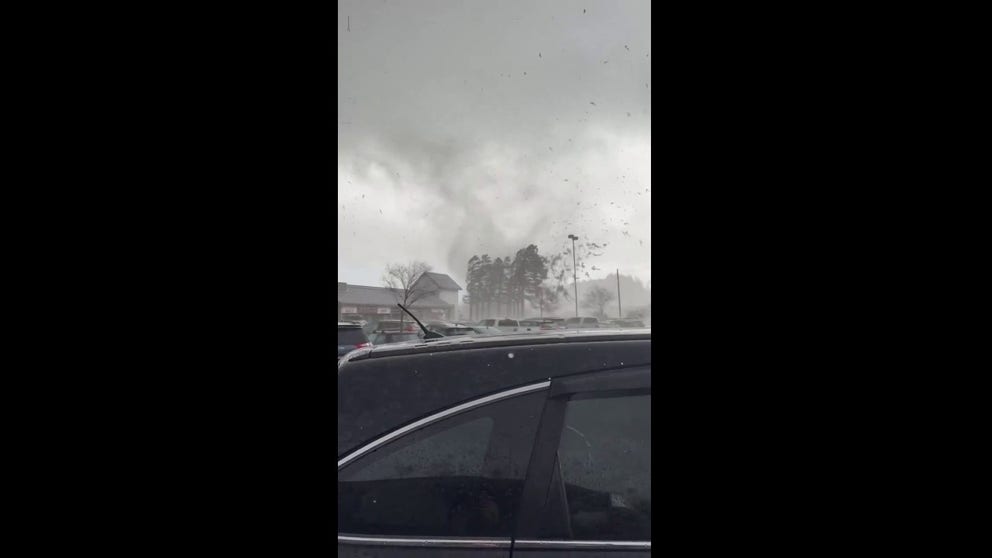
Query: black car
(535,444)
(351,337)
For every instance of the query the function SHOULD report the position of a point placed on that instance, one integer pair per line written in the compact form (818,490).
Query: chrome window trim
(598,545)
(447,542)
(438,416)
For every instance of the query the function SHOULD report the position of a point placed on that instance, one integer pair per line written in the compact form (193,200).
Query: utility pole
(575,279)
(619,308)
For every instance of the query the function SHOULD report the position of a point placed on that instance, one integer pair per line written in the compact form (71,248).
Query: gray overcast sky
(479,126)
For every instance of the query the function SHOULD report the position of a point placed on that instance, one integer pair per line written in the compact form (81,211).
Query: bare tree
(597,298)
(401,279)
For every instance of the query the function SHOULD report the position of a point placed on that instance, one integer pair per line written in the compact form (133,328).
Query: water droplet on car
(509,355)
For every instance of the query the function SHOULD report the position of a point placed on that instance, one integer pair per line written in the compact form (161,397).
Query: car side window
(457,451)
(604,466)
(462,476)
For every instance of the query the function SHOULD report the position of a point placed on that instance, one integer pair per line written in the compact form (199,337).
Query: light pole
(619,307)
(575,280)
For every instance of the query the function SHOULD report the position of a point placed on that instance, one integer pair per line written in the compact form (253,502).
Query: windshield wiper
(428,334)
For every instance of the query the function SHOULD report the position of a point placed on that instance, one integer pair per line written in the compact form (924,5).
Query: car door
(588,488)
(447,485)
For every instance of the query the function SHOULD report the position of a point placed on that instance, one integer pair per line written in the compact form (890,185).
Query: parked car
(355,319)
(395,336)
(475,446)
(351,337)
(534,326)
(505,324)
(548,323)
(394,325)
(486,330)
(581,322)
(449,329)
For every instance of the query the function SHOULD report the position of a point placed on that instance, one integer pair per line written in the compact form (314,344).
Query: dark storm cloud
(507,112)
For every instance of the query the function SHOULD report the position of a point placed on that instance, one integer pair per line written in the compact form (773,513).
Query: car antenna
(428,334)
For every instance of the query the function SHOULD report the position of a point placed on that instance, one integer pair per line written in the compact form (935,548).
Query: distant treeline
(502,287)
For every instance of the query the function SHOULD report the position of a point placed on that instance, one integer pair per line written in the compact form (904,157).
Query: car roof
(501,340)
(382,388)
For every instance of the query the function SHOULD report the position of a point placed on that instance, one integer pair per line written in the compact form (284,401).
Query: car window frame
(439,417)
(541,471)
